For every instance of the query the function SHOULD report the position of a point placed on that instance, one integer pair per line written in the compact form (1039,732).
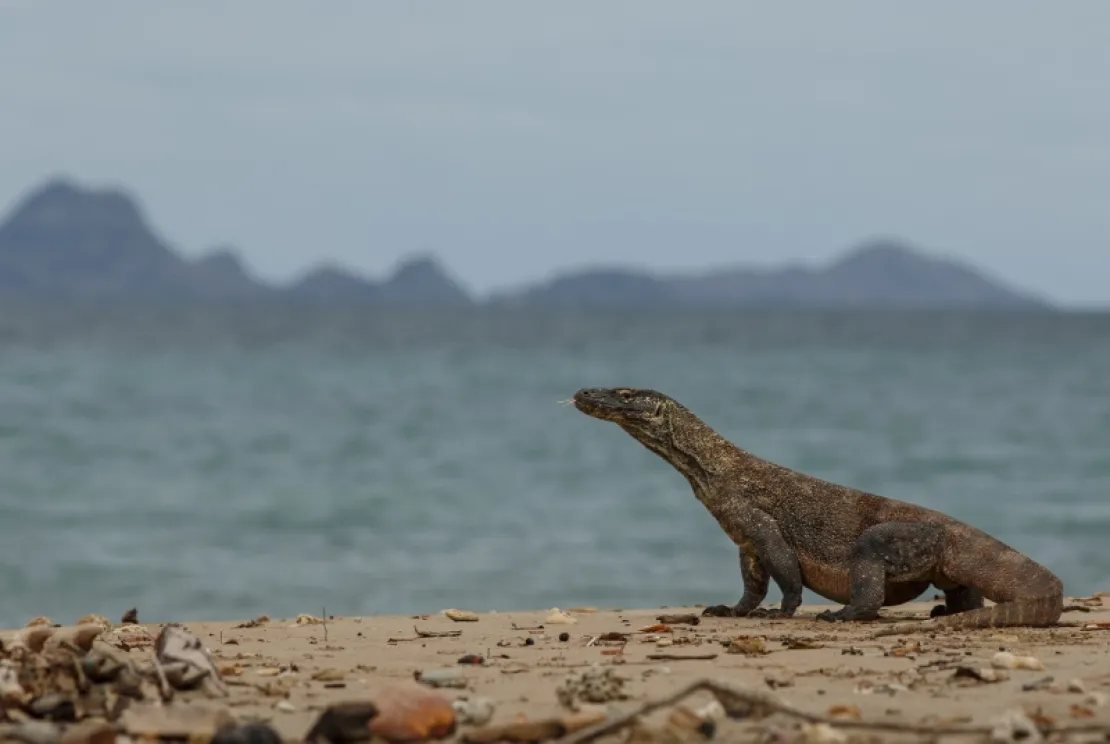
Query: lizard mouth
(617,404)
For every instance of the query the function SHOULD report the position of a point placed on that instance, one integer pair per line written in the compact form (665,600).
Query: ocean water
(218,463)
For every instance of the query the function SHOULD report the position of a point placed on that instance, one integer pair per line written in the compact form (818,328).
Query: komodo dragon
(852,547)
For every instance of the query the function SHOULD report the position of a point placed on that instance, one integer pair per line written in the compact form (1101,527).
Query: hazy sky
(514,138)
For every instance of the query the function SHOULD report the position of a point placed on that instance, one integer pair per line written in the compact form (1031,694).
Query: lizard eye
(626,395)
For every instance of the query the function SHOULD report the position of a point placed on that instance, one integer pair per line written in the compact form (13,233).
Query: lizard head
(638,411)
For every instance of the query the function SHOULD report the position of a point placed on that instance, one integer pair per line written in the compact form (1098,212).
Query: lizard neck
(700,454)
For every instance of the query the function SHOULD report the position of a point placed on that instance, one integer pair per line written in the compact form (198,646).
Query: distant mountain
(419,281)
(63,241)
(882,273)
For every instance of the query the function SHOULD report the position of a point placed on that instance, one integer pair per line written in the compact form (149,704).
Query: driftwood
(754,705)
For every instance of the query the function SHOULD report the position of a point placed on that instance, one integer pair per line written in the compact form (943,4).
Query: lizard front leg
(764,555)
(756,580)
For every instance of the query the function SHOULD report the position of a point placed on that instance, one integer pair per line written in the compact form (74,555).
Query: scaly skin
(856,548)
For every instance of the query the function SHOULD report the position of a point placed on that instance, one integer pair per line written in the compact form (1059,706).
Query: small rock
(154,721)
(303,619)
(594,685)
(90,731)
(982,674)
(445,677)
(777,678)
(285,706)
(712,711)
(246,733)
(1076,685)
(131,617)
(472,659)
(1015,726)
(461,616)
(40,620)
(475,711)
(747,645)
(1043,683)
(35,732)
(1097,699)
(821,733)
(96,620)
(409,712)
(557,617)
(564,636)
(1007,660)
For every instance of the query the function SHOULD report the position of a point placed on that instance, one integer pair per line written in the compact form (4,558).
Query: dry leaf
(657,628)
(850,712)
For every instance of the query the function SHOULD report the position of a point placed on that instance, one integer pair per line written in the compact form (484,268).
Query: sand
(307,666)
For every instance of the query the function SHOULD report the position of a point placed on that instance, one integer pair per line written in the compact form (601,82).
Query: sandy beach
(286,671)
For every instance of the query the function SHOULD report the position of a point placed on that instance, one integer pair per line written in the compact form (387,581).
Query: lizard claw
(719,611)
(829,616)
(770,613)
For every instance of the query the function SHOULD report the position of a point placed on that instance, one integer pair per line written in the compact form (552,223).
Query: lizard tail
(1038,612)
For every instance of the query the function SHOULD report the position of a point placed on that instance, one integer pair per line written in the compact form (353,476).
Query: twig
(420,634)
(324,617)
(739,703)
(681,657)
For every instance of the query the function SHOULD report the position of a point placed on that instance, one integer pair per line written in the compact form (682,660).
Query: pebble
(1076,685)
(475,711)
(285,706)
(821,733)
(445,677)
(1015,726)
(461,616)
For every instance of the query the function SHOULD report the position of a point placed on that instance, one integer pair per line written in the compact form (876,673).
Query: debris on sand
(594,685)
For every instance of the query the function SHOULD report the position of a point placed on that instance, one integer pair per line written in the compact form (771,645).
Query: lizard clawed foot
(939,611)
(771,613)
(719,611)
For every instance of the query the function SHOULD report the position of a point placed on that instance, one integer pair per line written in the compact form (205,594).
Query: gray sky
(513,139)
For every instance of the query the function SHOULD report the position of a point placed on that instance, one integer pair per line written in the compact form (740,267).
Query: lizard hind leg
(888,553)
(959,599)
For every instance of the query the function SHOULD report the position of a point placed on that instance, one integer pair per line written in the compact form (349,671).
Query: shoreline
(288,670)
